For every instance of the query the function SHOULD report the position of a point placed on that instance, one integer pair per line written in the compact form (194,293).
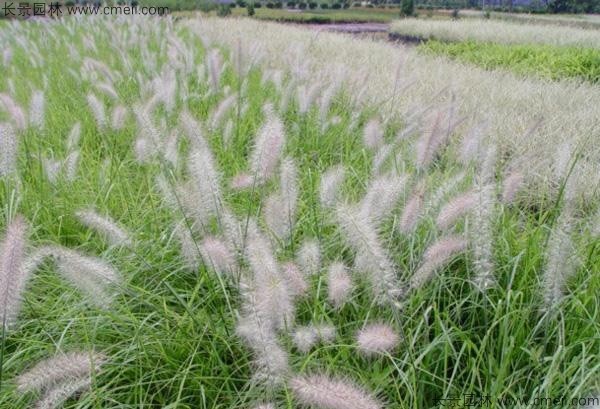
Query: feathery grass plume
(289,186)
(382,196)
(221,110)
(277,217)
(562,161)
(428,143)
(339,284)
(325,392)
(470,145)
(171,148)
(376,339)
(482,224)
(106,226)
(13,274)
(257,330)
(74,137)
(373,134)
(214,63)
(216,254)
(51,168)
(440,194)
(193,130)
(326,332)
(92,276)
(118,117)
(189,248)
(275,301)
(265,406)
(436,256)
(108,90)
(148,137)
(412,209)
(63,367)
(305,338)
(295,279)
(561,262)
(325,104)
(7,56)
(511,186)
(58,395)
(456,208)
(270,360)
(331,181)
(434,138)
(206,191)
(309,257)
(232,231)
(70,165)
(242,181)
(482,238)
(37,110)
(361,235)
(595,229)
(381,156)
(268,146)
(307,96)
(228,133)
(9,147)
(14,111)
(98,110)
(279,209)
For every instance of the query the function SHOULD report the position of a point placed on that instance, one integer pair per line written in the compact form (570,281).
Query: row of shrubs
(292,5)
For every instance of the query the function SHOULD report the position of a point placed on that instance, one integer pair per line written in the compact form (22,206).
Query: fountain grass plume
(106,226)
(325,392)
(13,274)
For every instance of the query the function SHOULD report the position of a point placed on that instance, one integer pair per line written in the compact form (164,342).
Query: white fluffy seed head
(106,226)
(309,257)
(13,274)
(373,134)
(98,110)
(189,248)
(221,111)
(92,276)
(305,338)
(9,145)
(37,110)
(295,279)
(55,398)
(216,254)
(456,208)
(339,284)
(268,146)
(438,254)
(326,392)
(242,181)
(511,186)
(412,210)
(118,117)
(58,369)
(15,112)
(330,185)
(73,137)
(376,339)
(381,198)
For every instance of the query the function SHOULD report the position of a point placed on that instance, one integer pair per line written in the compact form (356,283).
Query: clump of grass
(545,61)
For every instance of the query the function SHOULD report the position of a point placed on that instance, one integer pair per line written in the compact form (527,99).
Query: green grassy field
(352,15)
(171,331)
(538,60)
